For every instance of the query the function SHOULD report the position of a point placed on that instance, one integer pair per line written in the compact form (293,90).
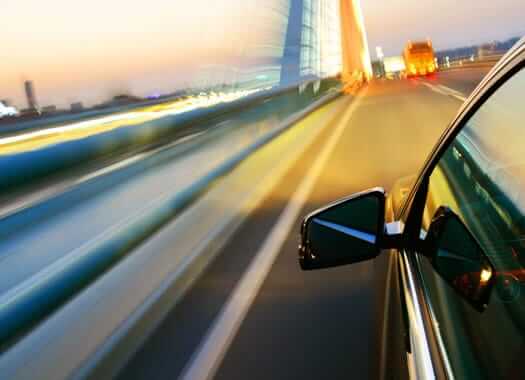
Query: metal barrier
(467,62)
(31,165)
(25,305)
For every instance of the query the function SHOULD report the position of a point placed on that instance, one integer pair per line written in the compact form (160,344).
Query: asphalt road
(316,325)
(463,80)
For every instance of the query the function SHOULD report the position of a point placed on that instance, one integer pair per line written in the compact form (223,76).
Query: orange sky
(72,47)
(90,50)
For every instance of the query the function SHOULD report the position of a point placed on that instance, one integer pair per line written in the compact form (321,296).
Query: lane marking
(449,90)
(444,90)
(212,349)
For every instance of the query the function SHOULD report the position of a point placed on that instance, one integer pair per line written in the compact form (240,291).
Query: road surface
(297,325)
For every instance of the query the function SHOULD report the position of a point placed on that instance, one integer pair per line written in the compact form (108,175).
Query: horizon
(449,24)
(153,48)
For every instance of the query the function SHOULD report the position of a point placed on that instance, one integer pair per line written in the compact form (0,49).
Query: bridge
(157,237)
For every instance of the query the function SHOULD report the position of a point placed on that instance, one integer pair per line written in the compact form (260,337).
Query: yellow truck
(419,58)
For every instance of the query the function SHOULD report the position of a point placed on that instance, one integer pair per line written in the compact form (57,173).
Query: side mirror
(346,231)
(459,259)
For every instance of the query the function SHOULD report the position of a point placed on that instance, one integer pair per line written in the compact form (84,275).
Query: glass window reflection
(481,177)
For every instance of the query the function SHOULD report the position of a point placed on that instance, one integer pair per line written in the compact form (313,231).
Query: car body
(450,243)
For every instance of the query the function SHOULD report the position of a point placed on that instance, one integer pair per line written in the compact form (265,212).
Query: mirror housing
(459,259)
(353,229)
(347,231)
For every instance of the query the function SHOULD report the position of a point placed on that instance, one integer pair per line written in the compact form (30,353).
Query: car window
(481,177)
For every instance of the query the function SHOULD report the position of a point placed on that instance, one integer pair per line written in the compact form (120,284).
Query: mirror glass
(343,233)
(459,259)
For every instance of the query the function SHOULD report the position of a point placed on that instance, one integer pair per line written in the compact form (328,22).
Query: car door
(480,177)
(455,252)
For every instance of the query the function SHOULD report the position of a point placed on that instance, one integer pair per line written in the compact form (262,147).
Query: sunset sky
(449,23)
(90,50)
(100,48)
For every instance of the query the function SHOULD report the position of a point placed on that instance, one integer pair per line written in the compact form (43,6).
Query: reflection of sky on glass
(449,23)
(494,138)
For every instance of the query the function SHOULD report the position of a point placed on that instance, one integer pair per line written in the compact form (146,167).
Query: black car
(454,245)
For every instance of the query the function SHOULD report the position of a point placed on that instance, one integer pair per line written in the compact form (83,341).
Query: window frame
(411,211)
(510,65)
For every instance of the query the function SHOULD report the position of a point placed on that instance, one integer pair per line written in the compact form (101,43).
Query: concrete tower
(30,95)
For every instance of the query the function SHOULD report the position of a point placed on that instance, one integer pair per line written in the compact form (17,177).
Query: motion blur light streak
(38,139)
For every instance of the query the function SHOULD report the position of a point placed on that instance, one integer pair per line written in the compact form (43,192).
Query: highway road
(253,314)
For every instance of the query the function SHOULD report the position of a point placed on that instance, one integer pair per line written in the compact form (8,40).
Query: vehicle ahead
(455,294)
(419,58)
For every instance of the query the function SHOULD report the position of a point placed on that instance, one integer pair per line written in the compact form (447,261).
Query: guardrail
(28,303)
(467,62)
(30,166)
(112,317)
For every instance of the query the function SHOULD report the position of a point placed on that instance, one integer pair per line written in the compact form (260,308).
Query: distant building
(49,109)
(487,50)
(481,51)
(29,112)
(120,100)
(77,107)
(30,95)
(394,65)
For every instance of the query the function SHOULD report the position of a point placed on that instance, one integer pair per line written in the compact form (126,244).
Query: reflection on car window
(481,177)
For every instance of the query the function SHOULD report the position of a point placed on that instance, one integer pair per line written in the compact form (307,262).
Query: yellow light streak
(31,141)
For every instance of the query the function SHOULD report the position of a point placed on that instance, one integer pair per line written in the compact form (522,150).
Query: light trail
(79,130)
